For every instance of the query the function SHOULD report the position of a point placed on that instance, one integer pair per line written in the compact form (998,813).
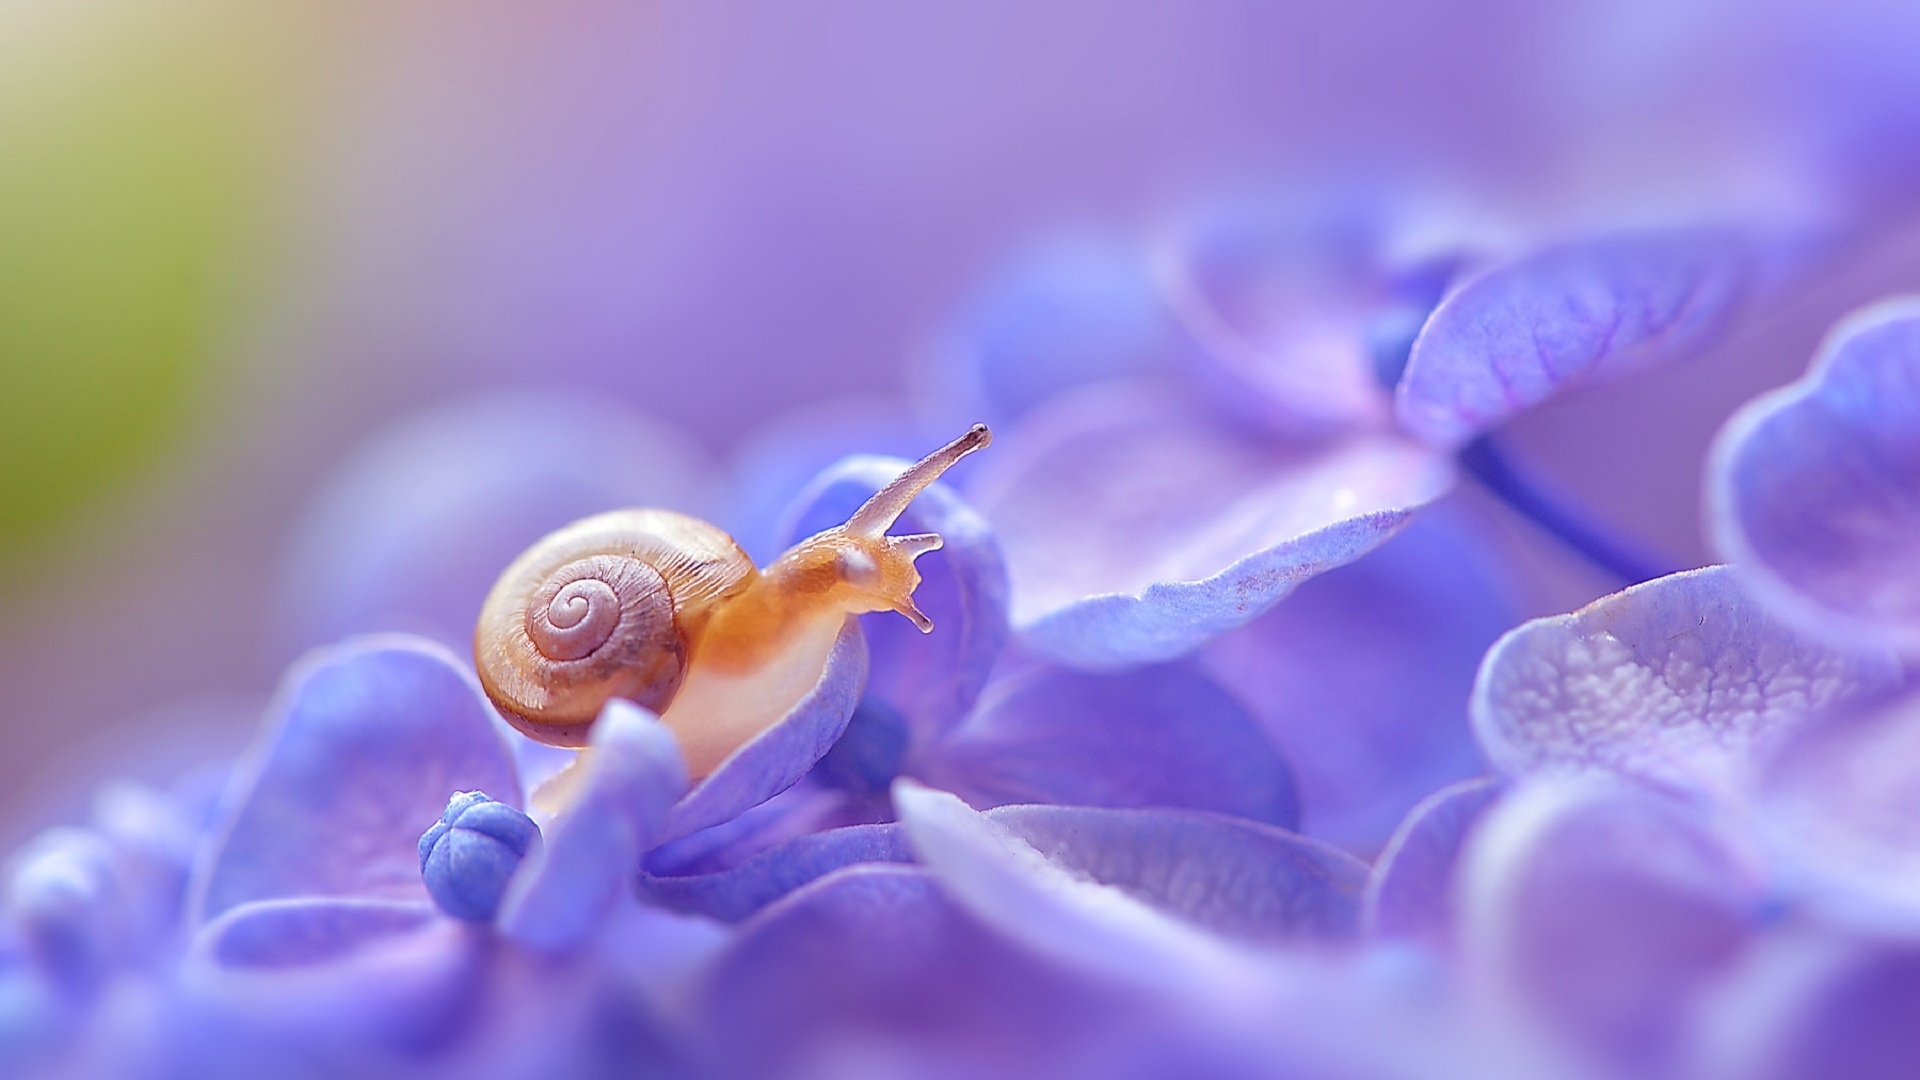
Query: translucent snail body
(668,611)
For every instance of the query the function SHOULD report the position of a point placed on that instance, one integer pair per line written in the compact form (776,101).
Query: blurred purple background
(717,213)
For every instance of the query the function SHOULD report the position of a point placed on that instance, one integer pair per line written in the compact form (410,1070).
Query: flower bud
(468,856)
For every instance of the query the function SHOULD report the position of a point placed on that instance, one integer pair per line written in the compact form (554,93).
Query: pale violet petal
(1599,911)
(1410,895)
(1840,812)
(1236,878)
(360,752)
(590,854)
(1010,886)
(1576,313)
(1137,527)
(1161,736)
(1684,680)
(1362,676)
(1814,489)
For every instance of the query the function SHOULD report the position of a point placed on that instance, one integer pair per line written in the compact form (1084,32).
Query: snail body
(668,611)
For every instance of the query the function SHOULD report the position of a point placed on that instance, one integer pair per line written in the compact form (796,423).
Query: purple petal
(63,899)
(413,531)
(1840,809)
(1280,303)
(1606,912)
(1163,736)
(591,852)
(1683,680)
(835,980)
(1067,310)
(776,462)
(1815,488)
(1233,877)
(346,975)
(1577,313)
(784,752)
(1363,676)
(736,893)
(1815,1006)
(360,753)
(1410,894)
(931,680)
(1006,883)
(1136,527)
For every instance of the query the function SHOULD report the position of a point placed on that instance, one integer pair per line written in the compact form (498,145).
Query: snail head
(857,565)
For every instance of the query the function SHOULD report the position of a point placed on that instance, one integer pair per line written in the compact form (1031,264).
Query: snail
(667,611)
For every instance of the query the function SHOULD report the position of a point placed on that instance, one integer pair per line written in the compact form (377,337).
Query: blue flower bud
(468,856)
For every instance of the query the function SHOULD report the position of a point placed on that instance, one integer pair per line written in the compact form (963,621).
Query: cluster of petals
(1216,764)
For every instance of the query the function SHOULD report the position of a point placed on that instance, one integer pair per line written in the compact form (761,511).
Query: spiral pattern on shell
(602,608)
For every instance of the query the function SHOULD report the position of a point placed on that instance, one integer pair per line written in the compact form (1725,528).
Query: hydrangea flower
(1226,757)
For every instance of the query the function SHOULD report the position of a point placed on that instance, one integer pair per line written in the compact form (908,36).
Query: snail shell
(607,607)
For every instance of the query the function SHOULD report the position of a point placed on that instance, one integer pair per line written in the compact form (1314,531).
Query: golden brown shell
(609,606)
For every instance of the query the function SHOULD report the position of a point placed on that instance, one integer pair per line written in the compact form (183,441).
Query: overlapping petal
(1362,676)
(1605,911)
(1576,313)
(734,894)
(1137,527)
(1162,736)
(1006,883)
(1410,893)
(1815,488)
(1237,878)
(633,773)
(1282,301)
(360,751)
(833,982)
(1840,807)
(1684,679)
(413,531)
(339,979)
(929,680)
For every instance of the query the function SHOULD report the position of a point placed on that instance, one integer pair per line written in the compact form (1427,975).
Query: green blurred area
(128,179)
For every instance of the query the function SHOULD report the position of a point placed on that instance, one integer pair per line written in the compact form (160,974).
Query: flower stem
(1624,557)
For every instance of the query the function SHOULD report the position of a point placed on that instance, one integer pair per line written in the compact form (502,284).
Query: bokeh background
(241,238)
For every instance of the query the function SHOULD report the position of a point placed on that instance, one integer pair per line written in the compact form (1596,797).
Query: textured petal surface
(1683,679)
(1065,311)
(361,751)
(1410,894)
(591,851)
(834,982)
(1605,912)
(1137,527)
(1160,736)
(413,531)
(1362,676)
(1233,877)
(1815,487)
(1007,884)
(784,752)
(1578,313)
(930,680)
(1840,805)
